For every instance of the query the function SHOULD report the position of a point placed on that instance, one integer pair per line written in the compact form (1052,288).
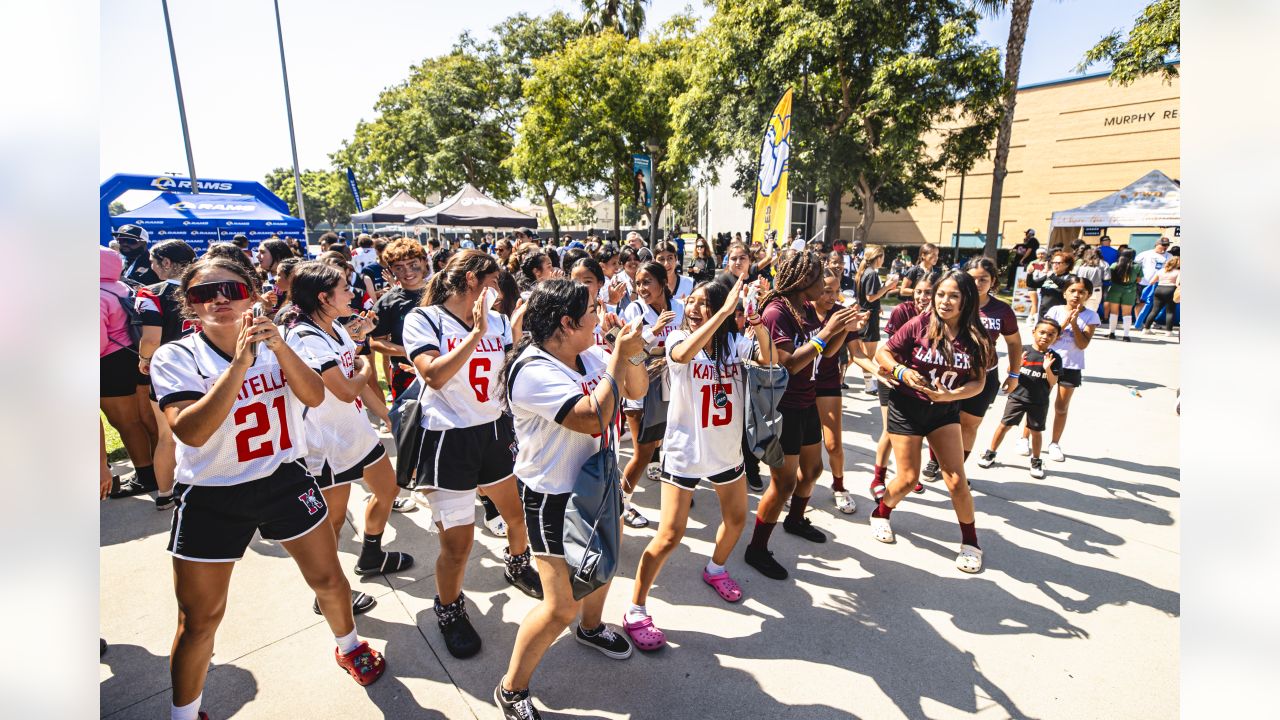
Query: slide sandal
(391,562)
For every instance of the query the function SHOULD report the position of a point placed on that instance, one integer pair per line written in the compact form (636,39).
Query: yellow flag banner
(771,208)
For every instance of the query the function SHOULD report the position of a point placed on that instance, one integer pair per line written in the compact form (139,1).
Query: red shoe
(364,663)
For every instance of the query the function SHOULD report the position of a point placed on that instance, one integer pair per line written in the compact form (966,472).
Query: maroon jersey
(829,367)
(999,319)
(911,346)
(900,315)
(790,336)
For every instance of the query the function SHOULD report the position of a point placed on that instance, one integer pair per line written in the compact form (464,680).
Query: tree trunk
(617,210)
(835,208)
(868,196)
(549,199)
(1020,17)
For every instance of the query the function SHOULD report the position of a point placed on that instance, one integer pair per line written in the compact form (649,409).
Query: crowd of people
(244,384)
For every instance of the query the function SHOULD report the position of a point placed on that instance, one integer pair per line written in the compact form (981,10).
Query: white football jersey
(684,286)
(264,429)
(655,340)
(337,431)
(470,397)
(701,439)
(543,392)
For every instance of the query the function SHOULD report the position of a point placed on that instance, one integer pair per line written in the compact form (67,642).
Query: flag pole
(288,109)
(182,108)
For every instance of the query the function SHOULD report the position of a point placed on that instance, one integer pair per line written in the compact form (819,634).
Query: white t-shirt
(363,257)
(684,286)
(470,397)
(1151,261)
(543,392)
(701,439)
(1065,345)
(264,429)
(655,341)
(337,431)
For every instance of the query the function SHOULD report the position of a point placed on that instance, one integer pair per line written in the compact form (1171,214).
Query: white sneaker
(1148,331)
(497,526)
(403,505)
(1023,447)
(1055,453)
(845,503)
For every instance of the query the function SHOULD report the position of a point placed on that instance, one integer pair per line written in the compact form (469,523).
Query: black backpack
(132,318)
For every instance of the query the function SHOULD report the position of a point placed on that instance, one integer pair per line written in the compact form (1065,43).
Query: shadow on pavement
(131,665)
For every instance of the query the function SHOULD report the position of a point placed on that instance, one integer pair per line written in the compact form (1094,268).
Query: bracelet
(1014,375)
(144,357)
(899,371)
(820,347)
(822,344)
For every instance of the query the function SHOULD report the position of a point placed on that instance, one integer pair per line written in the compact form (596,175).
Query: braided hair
(797,271)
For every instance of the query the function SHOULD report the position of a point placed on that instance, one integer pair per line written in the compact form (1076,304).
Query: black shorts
(1016,407)
(118,374)
(328,479)
(871,333)
(800,427)
(463,459)
(721,478)
(216,523)
(828,392)
(883,391)
(912,416)
(1070,378)
(651,434)
(978,404)
(544,517)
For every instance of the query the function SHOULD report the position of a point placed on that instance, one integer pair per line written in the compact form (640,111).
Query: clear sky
(342,54)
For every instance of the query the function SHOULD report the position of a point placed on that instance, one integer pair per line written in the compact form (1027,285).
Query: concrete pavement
(1074,616)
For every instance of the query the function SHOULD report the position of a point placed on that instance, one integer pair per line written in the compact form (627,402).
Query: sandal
(364,664)
(360,603)
(724,585)
(391,562)
(882,531)
(644,635)
(634,519)
(970,559)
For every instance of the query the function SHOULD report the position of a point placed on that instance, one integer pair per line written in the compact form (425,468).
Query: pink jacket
(114,334)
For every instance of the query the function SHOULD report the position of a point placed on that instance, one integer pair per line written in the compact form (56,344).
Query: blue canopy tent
(222,210)
(208,218)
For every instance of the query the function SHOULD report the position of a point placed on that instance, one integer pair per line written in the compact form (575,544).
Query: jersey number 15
(712,415)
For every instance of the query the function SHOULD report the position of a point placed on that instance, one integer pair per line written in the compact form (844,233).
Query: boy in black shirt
(1040,369)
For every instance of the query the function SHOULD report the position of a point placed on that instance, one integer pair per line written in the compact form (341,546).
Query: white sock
(637,612)
(186,712)
(1128,325)
(1111,323)
(347,642)
(713,568)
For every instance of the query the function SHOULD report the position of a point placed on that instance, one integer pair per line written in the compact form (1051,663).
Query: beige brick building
(1074,141)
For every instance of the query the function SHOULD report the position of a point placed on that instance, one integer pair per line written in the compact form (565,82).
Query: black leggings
(1163,298)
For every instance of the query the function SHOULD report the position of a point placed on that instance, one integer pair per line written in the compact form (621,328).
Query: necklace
(719,397)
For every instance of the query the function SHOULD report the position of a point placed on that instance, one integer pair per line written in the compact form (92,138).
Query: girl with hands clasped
(234,394)
(1078,324)
(704,424)
(939,358)
(342,446)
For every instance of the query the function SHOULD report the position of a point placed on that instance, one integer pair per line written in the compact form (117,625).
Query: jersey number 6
(257,412)
(724,415)
(480,383)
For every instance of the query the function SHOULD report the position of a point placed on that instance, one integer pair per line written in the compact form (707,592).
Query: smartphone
(258,311)
(749,307)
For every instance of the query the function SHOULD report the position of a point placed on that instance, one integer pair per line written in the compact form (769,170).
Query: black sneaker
(521,574)
(805,529)
(460,638)
(129,488)
(605,639)
(1037,468)
(1111,336)
(1126,338)
(988,459)
(360,603)
(930,471)
(763,561)
(165,502)
(519,707)
(755,483)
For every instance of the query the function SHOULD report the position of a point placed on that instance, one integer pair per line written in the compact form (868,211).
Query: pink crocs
(723,585)
(644,635)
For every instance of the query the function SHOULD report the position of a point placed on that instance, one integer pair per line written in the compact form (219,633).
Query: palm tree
(1019,18)
(625,16)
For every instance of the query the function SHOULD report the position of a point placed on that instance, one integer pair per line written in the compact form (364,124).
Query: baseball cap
(577,244)
(1163,241)
(1031,232)
(131,233)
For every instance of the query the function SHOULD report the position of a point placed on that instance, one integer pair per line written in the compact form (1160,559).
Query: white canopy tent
(1152,201)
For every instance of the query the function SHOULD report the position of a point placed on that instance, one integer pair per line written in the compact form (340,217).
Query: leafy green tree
(115,208)
(325,194)
(579,212)
(1154,40)
(1019,20)
(872,81)
(623,16)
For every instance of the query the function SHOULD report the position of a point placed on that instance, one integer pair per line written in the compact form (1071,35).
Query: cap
(1163,241)
(131,233)
(1031,232)
(577,244)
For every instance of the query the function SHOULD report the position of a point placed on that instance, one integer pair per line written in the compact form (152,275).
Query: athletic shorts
(215,523)
(651,434)
(544,517)
(1070,378)
(912,416)
(871,333)
(466,458)
(828,392)
(118,374)
(687,483)
(1015,408)
(883,391)
(800,427)
(328,478)
(978,404)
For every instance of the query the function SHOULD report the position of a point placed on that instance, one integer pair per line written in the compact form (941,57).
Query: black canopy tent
(471,208)
(392,210)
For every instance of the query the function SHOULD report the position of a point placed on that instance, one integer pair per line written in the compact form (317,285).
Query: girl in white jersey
(661,314)
(704,428)
(678,284)
(233,395)
(342,446)
(557,383)
(458,346)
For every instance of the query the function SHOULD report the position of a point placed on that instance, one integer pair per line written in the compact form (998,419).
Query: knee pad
(451,508)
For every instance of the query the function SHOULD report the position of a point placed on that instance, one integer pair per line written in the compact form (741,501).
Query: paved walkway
(1075,615)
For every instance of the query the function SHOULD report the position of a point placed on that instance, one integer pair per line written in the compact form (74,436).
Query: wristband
(1013,376)
(899,371)
(821,349)
(822,344)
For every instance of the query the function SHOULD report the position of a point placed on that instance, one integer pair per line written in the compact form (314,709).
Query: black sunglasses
(208,292)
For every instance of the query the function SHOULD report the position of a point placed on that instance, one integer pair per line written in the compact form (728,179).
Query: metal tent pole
(288,109)
(182,108)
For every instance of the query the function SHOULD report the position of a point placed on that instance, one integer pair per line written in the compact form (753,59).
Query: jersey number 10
(257,413)
(722,416)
